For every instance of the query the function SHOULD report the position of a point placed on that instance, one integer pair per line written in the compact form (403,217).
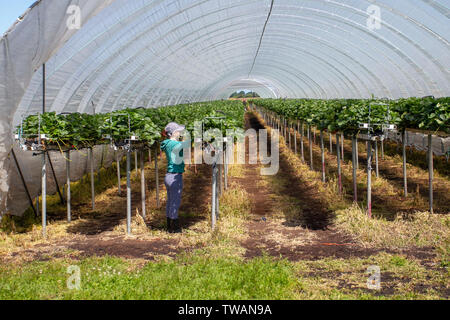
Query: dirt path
(309,235)
(301,231)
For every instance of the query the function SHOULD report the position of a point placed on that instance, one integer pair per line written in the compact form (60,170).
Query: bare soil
(314,226)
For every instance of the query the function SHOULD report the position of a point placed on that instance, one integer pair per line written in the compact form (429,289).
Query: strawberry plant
(346,115)
(83,130)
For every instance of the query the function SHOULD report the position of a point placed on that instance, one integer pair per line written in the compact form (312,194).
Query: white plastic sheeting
(104,156)
(419,141)
(134,53)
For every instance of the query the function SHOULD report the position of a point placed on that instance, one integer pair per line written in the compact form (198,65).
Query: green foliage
(83,130)
(75,129)
(120,125)
(242,95)
(425,113)
(398,261)
(346,115)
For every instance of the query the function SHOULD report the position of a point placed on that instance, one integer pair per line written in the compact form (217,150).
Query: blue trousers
(174,186)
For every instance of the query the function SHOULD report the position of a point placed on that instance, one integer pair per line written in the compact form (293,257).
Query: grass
(198,277)
(419,230)
(186,278)
(401,278)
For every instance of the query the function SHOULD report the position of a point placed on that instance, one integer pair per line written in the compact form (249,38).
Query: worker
(173,148)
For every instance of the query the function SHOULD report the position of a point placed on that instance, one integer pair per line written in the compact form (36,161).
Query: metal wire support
(302,144)
(339,163)
(44,168)
(129,192)
(226,160)
(218,187)
(369,178)
(44,195)
(214,196)
(158,202)
(136,162)
(219,179)
(143,189)
(91,160)
(357,153)
(405,178)
(430,170)
(286,129)
(290,133)
(354,165)
(322,149)
(68,195)
(331,143)
(310,148)
(119,178)
(377,171)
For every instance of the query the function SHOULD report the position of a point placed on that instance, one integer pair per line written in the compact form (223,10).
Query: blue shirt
(175,155)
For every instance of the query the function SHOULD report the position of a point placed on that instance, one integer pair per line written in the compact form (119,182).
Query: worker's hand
(195,169)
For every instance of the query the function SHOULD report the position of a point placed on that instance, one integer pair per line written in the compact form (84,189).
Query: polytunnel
(105,55)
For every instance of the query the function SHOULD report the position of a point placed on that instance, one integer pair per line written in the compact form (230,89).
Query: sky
(10,10)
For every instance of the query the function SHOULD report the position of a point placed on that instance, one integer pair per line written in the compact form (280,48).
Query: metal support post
(91,160)
(44,196)
(143,189)
(119,178)
(369,179)
(322,149)
(430,170)
(338,149)
(405,178)
(128,192)
(354,157)
(213,200)
(69,208)
(158,202)
(377,171)
(310,148)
